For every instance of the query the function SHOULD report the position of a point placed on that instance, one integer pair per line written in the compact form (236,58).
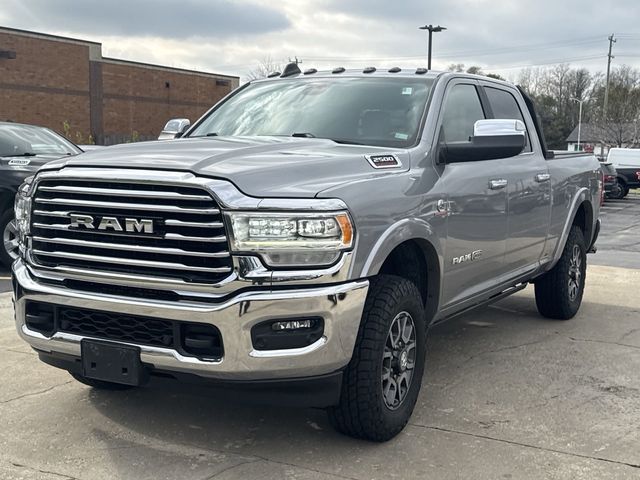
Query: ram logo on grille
(133,225)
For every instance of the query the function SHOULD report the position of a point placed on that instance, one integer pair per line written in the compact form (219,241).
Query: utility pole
(295,60)
(431,29)
(610,57)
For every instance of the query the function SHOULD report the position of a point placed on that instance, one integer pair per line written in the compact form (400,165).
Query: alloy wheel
(575,272)
(10,239)
(398,360)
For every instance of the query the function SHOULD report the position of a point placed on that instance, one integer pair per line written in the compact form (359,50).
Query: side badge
(383,161)
(19,162)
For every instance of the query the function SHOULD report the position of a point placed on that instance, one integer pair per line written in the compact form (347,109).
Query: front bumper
(339,305)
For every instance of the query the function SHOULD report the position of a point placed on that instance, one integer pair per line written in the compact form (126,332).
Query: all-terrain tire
(100,384)
(363,411)
(559,291)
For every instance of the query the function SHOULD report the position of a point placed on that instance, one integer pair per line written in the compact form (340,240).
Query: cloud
(231,37)
(181,19)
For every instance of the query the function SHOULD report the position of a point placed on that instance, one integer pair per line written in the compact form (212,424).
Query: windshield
(369,111)
(27,140)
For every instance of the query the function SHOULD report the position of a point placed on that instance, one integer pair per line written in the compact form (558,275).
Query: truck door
(476,199)
(528,186)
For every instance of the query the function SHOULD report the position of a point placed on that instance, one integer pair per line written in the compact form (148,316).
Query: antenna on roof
(291,69)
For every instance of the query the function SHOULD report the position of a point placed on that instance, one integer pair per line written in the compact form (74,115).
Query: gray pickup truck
(301,238)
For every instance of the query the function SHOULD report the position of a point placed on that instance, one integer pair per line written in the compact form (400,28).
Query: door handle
(542,177)
(497,184)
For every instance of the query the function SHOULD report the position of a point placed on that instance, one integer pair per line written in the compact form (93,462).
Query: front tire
(381,383)
(559,291)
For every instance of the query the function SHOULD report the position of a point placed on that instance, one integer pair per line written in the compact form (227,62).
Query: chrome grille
(189,242)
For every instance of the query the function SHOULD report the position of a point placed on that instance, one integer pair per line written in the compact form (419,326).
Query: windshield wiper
(303,135)
(346,142)
(210,134)
(25,154)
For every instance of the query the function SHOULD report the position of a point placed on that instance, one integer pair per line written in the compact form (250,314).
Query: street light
(579,119)
(431,29)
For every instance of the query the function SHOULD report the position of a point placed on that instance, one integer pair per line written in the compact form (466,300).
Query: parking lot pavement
(619,241)
(506,394)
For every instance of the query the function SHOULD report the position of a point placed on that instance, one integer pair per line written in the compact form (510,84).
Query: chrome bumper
(340,306)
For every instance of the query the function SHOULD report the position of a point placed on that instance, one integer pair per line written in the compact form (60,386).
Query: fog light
(292,325)
(283,334)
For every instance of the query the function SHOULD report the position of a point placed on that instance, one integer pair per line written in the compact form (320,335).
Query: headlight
(22,210)
(291,239)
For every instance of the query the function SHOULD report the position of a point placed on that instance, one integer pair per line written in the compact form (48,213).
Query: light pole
(431,29)
(579,118)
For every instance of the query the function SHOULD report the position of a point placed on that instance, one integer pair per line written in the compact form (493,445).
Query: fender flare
(400,232)
(583,195)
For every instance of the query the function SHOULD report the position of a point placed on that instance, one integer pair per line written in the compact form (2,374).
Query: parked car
(23,149)
(174,128)
(302,237)
(612,188)
(627,164)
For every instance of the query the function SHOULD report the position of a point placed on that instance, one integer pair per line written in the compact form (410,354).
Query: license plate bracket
(111,362)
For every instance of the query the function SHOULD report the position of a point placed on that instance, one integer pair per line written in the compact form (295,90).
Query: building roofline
(166,68)
(96,53)
(31,33)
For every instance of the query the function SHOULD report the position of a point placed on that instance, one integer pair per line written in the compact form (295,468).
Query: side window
(462,109)
(504,105)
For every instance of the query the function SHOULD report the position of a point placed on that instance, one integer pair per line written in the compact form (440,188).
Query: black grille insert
(116,326)
(190,339)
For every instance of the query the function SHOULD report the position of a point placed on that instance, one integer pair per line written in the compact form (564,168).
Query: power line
(553,62)
(493,51)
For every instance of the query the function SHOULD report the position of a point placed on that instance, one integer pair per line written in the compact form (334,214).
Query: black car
(612,188)
(23,149)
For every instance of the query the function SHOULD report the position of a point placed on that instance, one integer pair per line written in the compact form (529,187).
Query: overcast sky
(232,36)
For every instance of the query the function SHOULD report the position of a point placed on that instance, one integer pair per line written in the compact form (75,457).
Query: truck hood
(13,170)
(258,166)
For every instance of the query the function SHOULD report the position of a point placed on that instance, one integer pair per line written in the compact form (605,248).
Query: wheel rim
(10,239)
(398,360)
(575,272)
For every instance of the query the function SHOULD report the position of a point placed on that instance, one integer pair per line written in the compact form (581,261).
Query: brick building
(67,85)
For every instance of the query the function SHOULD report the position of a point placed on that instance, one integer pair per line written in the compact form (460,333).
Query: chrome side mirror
(175,128)
(498,128)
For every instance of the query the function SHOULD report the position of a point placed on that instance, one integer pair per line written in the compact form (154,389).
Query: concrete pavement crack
(231,467)
(39,470)
(575,339)
(526,445)
(630,332)
(18,351)
(33,394)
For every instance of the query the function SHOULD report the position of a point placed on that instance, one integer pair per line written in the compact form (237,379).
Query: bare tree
(266,66)
(622,123)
